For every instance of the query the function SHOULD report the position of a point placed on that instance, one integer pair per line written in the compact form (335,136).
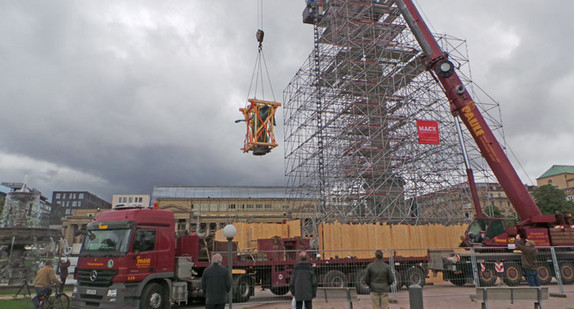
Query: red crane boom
(462,105)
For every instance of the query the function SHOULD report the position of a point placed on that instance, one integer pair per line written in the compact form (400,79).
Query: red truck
(132,258)
(484,232)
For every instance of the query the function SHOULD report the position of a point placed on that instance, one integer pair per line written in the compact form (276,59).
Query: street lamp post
(229,232)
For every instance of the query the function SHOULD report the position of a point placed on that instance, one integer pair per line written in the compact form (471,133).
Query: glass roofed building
(207,208)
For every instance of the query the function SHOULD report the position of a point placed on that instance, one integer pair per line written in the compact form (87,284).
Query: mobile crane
(544,230)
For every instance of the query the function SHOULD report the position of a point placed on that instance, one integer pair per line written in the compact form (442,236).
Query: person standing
(216,283)
(303,283)
(528,259)
(63,265)
(43,282)
(379,278)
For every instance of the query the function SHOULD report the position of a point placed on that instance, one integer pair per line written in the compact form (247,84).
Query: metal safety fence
(265,275)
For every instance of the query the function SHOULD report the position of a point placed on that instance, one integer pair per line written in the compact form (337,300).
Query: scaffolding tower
(350,123)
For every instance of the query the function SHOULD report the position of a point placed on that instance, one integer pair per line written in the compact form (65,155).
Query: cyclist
(44,279)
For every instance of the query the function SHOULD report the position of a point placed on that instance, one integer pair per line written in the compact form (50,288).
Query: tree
(493,211)
(551,200)
(2,201)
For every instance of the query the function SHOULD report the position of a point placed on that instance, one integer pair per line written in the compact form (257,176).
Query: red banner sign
(428,132)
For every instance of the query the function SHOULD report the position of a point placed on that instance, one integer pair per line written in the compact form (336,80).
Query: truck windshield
(106,242)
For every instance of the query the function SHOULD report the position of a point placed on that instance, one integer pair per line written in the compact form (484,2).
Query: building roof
(239,192)
(557,170)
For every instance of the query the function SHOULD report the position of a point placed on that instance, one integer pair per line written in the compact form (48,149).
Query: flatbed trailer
(271,269)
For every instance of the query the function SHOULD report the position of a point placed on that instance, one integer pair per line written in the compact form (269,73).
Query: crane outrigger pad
(260,119)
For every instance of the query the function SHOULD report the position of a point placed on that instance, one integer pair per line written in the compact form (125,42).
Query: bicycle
(58,301)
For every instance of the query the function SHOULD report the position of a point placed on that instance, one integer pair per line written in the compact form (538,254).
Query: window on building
(285,207)
(259,207)
(79,203)
(213,207)
(72,195)
(181,225)
(222,207)
(212,227)
(130,199)
(58,195)
(81,196)
(241,207)
(68,212)
(249,207)
(204,207)
(231,207)
(268,207)
(74,204)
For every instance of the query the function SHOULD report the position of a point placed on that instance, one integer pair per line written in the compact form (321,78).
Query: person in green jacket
(379,278)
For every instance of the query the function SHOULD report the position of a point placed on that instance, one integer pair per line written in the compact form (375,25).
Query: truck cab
(128,254)
(485,231)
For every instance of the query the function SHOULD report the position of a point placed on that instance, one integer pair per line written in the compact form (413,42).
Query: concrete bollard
(416,296)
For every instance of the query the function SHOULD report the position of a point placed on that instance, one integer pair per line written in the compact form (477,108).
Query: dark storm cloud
(118,97)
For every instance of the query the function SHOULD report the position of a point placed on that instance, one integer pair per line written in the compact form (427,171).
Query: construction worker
(528,259)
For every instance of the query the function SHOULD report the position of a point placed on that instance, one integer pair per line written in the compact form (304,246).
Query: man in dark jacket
(379,278)
(528,259)
(63,270)
(303,283)
(216,283)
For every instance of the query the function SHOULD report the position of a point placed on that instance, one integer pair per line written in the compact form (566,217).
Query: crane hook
(259,35)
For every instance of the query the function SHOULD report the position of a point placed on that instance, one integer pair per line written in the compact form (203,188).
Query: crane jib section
(463,106)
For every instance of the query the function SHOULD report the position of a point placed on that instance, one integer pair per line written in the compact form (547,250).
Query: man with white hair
(216,283)
(528,259)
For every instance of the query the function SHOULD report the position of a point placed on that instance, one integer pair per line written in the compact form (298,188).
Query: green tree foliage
(493,211)
(550,200)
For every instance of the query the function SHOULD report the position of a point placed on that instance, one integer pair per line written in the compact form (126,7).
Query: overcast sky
(114,97)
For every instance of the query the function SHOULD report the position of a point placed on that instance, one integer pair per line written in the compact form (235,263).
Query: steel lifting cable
(259,114)
(260,62)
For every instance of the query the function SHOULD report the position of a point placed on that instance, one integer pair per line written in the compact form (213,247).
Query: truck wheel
(512,274)
(487,277)
(359,286)
(281,290)
(567,272)
(415,275)
(153,297)
(456,279)
(544,274)
(242,289)
(336,279)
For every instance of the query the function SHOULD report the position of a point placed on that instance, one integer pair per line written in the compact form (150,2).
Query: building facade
(78,220)
(24,207)
(489,194)
(71,200)
(142,199)
(206,209)
(560,176)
